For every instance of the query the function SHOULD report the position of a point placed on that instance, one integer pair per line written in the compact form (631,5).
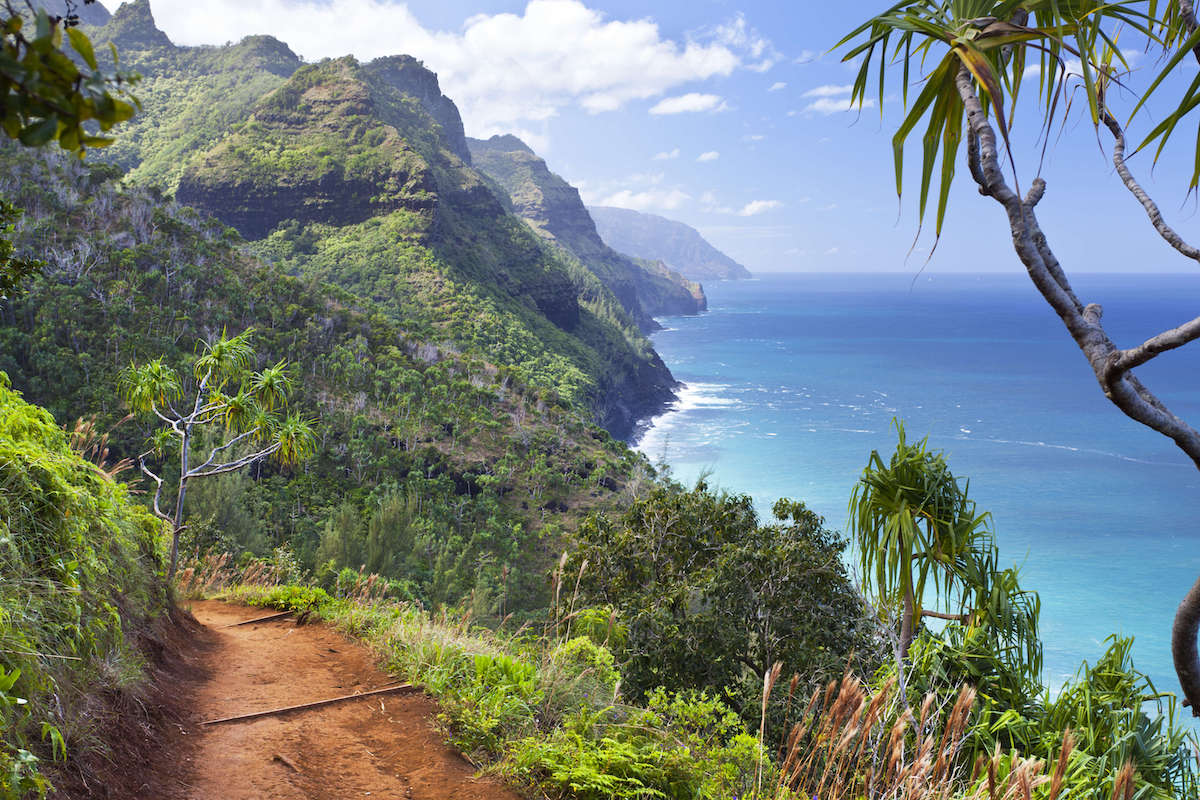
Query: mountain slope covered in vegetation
(359,174)
(434,466)
(553,208)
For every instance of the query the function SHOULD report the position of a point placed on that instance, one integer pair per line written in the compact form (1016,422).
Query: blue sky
(729,117)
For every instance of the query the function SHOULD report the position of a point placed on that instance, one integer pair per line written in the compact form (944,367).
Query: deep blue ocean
(792,380)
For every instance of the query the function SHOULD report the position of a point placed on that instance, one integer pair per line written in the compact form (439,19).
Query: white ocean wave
(1091,451)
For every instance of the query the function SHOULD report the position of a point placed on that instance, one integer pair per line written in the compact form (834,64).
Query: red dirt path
(382,746)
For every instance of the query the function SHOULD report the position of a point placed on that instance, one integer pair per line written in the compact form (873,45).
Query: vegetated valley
(421,362)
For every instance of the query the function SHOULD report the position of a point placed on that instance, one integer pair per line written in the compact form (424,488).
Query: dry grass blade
(1060,768)
(1123,786)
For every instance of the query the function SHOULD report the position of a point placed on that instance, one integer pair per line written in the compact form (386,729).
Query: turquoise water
(792,380)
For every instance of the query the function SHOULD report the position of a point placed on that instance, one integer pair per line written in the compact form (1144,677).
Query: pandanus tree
(247,410)
(973,57)
(913,523)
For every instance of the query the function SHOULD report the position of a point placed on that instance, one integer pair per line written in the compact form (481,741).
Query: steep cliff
(315,150)
(553,208)
(191,96)
(355,174)
(679,246)
(408,76)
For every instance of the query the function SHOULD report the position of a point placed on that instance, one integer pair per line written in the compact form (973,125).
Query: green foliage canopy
(47,95)
(712,599)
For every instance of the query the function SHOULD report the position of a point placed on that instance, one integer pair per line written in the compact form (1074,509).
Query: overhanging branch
(1111,365)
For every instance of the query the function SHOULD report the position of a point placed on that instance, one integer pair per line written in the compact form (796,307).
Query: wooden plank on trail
(403,688)
(267,618)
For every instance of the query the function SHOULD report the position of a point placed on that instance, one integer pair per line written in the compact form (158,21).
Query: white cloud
(777,86)
(711,155)
(828,90)
(739,35)
(833,251)
(667,155)
(755,207)
(807,57)
(665,200)
(1075,69)
(754,137)
(690,102)
(503,70)
(835,105)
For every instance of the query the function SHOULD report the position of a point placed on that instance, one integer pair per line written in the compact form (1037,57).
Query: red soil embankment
(381,746)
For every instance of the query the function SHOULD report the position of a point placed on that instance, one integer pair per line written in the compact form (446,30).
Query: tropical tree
(712,598)
(916,529)
(980,52)
(912,521)
(249,408)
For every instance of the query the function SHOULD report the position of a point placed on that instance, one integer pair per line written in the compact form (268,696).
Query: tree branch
(159,483)
(1188,12)
(174,423)
(1155,345)
(233,465)
(939,615)
(1110,364)
(1156,218)
(213,454)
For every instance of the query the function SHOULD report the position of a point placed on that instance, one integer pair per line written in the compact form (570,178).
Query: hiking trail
(386,745)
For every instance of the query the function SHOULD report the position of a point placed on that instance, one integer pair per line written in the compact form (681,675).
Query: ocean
(792,381)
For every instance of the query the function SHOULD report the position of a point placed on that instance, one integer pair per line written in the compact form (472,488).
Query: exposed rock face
(554,209)
(679,246)
(132,27)
(408,76)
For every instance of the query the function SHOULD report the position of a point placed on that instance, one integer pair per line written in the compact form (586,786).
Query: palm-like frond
(296,440)
(991,40)
(913,521)
(152,384)
(240,411)
(226,357)
(272,386)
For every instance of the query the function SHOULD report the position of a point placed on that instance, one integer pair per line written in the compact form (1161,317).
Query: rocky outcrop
(554,209)
(679,246)
(409,76)
(132,27)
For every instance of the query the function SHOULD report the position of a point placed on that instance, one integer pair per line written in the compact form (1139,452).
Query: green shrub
(80,572)
(291,598)
(581,655)
(602,625)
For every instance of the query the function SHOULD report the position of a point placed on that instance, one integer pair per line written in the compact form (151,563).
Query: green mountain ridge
(555,211)
(487,472)
(679,246)
(359,175)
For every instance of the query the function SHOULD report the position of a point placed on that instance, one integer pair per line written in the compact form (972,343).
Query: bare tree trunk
(178,526)
(1112,365)
(1183,645)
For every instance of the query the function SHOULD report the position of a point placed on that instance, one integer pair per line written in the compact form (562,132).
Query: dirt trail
(382,746)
